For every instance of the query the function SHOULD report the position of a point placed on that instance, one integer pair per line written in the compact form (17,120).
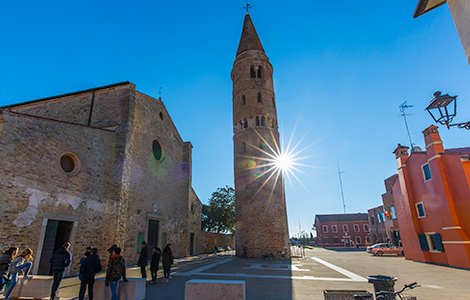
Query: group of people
(167,261)
(12,265)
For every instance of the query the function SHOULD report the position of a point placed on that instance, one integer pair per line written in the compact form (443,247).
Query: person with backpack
(154,264)
(22,262)
(89,267)
(116,270)
(60,260)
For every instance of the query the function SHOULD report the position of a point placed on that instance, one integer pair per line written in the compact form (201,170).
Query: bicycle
(387,295)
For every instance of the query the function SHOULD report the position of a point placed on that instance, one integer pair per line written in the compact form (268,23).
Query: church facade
(97,167)
(260,206)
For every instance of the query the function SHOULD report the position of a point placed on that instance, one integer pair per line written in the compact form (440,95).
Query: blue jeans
(113,285)
(14,276)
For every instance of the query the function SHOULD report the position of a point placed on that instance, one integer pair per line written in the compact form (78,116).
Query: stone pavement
(303,278)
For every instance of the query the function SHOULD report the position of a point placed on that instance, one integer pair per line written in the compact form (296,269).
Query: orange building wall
(445,198)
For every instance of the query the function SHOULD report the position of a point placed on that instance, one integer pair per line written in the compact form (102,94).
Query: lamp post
(443,109)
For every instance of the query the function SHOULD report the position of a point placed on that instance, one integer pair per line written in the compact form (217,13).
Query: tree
(219,215)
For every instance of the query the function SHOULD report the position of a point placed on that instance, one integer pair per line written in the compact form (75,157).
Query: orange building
(432,198)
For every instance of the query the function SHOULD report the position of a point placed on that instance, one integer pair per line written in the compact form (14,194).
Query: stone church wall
(211,239)
(120,187)
(110,106)
(32,183)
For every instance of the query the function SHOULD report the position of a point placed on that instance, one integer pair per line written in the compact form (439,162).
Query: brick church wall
(112,198)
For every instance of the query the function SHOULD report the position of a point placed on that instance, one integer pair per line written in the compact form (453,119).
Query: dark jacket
(143,258)
(60,259)
(116,269)
(167,257)
(5,264)
(154,261)
(89,266)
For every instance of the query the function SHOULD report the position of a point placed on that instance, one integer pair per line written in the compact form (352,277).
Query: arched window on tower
(244,99)
(252,72)
(273,124)
(260,72)
(263,121)
(243,148)
(257,121)
(259,98)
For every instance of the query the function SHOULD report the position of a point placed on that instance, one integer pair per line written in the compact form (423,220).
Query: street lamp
(443,109)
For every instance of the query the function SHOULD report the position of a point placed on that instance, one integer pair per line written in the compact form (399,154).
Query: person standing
(5,261)
(116,270)
(60,260)
(87,253)
(143,259)
(167,261)
(154,264)
(89,266)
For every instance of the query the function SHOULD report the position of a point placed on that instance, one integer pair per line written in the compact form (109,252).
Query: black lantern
(442,104)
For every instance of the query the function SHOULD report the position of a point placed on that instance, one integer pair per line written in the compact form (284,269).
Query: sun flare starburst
(273,163)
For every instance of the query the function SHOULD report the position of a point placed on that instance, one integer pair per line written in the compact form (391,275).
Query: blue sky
(341,69)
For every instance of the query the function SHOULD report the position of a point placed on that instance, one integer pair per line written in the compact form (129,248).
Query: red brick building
(432,199)
(342,230)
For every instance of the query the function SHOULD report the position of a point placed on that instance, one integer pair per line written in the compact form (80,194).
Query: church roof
(249,39)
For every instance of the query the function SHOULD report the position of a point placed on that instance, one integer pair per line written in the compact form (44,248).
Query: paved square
(303,278)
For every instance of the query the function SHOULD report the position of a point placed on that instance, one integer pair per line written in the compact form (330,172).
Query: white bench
(134,289)
(38,287)
(197,289)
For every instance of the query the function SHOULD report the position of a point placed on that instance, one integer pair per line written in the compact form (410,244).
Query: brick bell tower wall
(261,219)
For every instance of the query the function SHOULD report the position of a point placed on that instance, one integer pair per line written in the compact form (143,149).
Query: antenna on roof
(247,6)
(403,107)
(341,185)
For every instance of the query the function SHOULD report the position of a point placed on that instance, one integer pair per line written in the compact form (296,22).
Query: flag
(386,212)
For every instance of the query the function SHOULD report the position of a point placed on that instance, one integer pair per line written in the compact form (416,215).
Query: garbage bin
(383,283)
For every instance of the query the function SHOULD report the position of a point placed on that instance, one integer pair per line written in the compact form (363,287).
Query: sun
(283,162)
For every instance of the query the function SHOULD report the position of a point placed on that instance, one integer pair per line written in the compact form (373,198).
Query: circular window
(69,163)
(157,150)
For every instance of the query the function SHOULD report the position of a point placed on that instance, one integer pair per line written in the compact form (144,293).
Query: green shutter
(423,241)
(439,245)
(140,239)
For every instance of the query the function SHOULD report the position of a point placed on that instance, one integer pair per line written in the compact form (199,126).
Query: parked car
(381,249)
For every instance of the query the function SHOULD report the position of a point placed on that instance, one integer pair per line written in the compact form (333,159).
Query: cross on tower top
(247,6)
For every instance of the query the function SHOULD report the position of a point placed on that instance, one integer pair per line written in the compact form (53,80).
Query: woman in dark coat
(143,259)
(154,264)
(167,261)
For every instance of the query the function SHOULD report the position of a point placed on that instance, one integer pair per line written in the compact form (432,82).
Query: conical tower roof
(249,39)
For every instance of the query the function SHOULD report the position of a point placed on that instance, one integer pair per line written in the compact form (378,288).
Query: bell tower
(260,207)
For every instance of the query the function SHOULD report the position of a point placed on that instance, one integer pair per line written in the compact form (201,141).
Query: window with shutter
(423,242)
(438,240)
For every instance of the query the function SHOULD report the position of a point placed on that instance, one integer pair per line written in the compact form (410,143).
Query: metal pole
(341,185)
